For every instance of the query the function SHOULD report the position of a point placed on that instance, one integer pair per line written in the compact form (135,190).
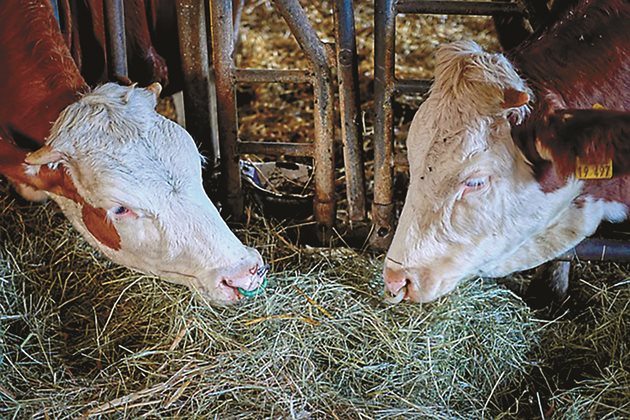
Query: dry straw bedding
(80,336)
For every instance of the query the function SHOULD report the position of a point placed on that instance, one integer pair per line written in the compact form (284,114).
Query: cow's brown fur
(39,76)
(582,60)
(41,80)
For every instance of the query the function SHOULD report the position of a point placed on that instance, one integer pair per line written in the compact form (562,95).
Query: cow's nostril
(396,293)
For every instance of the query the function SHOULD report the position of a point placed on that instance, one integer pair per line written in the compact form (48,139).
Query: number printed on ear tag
(593,171)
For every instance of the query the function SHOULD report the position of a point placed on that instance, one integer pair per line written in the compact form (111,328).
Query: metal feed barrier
(319,75)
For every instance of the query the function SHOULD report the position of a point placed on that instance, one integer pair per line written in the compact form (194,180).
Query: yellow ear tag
(593,171)
(597,170)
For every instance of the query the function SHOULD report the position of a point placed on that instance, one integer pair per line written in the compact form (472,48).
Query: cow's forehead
(450,151)
(118,146)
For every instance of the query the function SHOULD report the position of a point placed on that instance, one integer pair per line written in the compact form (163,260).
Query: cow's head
(473,206)
(130,182)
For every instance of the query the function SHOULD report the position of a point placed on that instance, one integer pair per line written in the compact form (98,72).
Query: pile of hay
(81,336)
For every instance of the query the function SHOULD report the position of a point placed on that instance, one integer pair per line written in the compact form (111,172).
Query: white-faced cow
(492,187)
(127,178)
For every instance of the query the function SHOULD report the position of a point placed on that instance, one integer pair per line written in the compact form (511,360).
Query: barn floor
(80,336)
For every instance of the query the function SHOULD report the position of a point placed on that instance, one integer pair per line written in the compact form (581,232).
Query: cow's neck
(587,38)
(39,76)
(616,189)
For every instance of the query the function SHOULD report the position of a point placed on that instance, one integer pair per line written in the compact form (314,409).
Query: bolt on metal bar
(349,103)
(193,46)
(117,51)
(273,76)
(384,44)
(275,148)
(324,202)
(458,7)
(225,81)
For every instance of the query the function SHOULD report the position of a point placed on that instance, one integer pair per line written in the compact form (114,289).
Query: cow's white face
(139,195)
(473,206)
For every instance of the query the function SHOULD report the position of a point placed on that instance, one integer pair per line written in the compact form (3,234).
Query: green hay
(81,336)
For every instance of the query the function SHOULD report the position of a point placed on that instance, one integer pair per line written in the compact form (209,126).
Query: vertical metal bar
(225,81)
(117,51)
(349,103)
(193,46)
(384,44)
(324,203)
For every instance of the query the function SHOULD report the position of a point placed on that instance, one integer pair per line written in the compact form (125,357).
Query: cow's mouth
(262,273)
(390,298)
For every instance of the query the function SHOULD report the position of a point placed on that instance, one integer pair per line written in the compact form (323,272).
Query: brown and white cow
(127,178)
(492,154)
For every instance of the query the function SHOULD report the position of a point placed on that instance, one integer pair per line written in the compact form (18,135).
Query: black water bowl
(283,190)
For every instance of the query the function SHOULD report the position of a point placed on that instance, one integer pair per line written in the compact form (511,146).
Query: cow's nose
(396,282)
(249,282)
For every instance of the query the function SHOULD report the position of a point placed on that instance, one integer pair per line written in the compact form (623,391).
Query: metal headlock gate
(202,82)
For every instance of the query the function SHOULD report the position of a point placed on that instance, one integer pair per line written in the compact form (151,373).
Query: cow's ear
(44,156)
(595,137)
(514,98)
(15,165)
(156,89)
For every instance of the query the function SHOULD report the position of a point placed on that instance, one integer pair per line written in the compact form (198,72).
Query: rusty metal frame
(320,77)
(222,29)
(350,106)
(386,86)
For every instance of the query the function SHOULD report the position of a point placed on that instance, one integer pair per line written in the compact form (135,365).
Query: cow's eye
(476,182)
(120,212)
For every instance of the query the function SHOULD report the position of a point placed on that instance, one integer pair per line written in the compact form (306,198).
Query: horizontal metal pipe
(595,249)
(458,7)
(275,148)
(412,86)
(273,76)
